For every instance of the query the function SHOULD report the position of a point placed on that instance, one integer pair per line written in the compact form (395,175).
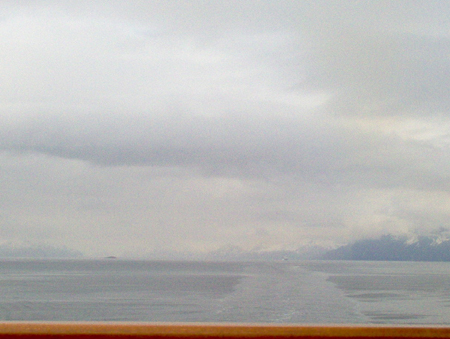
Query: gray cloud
(385,74)
(196,125)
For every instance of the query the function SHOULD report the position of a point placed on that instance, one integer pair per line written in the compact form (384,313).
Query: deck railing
(29,330)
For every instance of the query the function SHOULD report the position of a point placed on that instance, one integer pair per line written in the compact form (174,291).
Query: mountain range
(392,248)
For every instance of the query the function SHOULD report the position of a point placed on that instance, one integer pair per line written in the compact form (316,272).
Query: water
(313,292)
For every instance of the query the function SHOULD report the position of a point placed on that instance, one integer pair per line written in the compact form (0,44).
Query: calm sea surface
(319,292)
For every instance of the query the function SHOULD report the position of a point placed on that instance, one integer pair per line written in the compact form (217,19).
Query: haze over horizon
(131,127)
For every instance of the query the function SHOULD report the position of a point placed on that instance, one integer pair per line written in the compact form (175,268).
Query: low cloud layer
(133,127)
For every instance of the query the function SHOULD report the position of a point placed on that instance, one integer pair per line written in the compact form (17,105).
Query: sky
(136,127)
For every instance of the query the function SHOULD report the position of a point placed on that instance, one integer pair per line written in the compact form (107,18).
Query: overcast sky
(129,127)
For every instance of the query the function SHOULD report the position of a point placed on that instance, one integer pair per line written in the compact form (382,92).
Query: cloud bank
(132,127)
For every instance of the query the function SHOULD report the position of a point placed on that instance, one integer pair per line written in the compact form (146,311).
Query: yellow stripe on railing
(25,330)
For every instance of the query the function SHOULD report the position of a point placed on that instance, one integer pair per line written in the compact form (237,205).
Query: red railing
(28,330)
